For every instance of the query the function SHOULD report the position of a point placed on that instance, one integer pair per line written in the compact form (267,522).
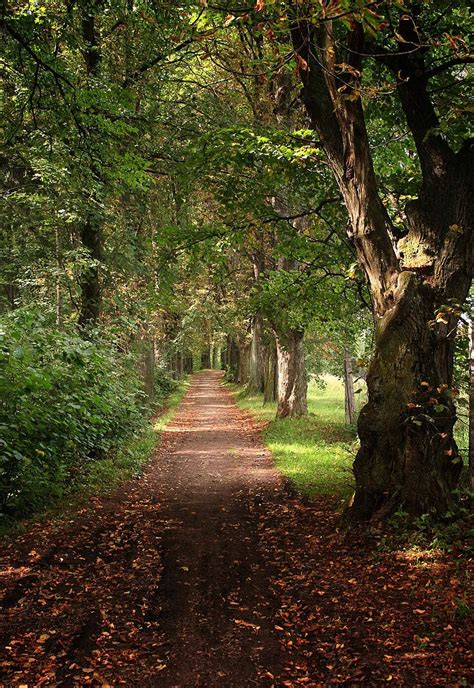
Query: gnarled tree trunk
(408,457)
(292,382)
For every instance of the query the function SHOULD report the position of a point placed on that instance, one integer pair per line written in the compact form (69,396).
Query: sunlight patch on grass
(316,452)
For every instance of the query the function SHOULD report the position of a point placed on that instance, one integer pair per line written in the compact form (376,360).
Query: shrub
(64,402)
(164,385)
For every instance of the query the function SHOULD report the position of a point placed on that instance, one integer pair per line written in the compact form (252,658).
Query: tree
(408,457)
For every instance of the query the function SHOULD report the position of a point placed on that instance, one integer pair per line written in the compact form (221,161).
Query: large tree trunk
(349,395)
(292,381)
(256,381)
(270,373)
(408,457)
(244,363)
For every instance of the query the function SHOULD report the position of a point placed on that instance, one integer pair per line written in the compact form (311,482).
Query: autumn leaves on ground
(209,571)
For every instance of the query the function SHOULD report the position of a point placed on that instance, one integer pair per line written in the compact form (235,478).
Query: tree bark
(270,373)
(256,380)
(349,395)
(408,457)
(292,381)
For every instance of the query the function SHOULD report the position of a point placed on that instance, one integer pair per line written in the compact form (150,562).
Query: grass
(316,452)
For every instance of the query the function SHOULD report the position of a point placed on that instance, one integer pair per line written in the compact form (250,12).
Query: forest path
(206,573)
(166,585)
(215,606)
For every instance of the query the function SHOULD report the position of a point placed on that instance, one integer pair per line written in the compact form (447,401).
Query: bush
(64,402)
(164,385)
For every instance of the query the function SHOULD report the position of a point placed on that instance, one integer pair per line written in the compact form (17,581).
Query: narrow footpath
(206,572)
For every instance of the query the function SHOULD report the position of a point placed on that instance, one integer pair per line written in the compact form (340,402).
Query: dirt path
(167,586)
(206,573)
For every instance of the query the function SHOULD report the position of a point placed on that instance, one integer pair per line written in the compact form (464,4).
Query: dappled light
(236,343)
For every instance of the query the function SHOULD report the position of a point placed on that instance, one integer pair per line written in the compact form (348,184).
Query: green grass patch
(316,452)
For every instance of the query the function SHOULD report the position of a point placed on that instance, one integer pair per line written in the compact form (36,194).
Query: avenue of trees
(278,188)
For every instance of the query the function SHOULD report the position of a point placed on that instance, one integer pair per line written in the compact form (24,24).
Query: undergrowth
(73,412)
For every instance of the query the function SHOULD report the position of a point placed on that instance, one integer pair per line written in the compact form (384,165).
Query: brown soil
(206,572)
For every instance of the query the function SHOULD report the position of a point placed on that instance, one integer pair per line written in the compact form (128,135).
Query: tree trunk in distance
(216,357)
(256,379)
(148,369)
(188,363)
(206,359)
(59,297)
(244,363)
(270,373)
(233,359)
(349,395)
(211,354)
(223,361)
(292,380)
(180,364)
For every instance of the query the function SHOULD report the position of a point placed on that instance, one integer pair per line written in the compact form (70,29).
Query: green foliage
(452,532)
(165,385)
(64,403)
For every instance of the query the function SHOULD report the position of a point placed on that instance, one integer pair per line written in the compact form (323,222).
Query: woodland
(236,226)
